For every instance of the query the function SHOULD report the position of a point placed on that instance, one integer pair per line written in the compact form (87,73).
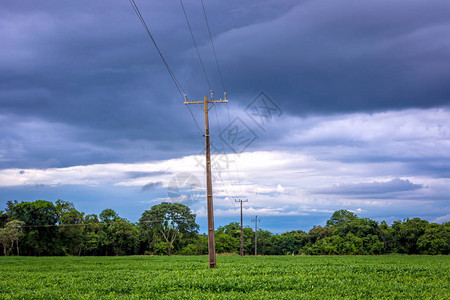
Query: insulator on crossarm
(212,94)
(185,98)
(225,96)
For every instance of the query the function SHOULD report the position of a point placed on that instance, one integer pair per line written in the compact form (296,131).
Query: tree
(407,233)
(228,238)
(319,232)
(14,233)
(385,234)
(291,242)
(265,245)
(44,228)
(118,235)
(11,234)
(435,240)
(147,238)
(91,231)
(341,217)
(108,215)
(70,229)
(3,219)
(226,243)
(169,221)
(40,233)
(4,240)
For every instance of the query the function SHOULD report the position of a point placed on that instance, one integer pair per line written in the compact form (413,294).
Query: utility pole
(256,220)
(209,194)
(242,231)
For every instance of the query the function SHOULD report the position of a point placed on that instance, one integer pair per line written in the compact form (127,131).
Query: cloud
(339,57)
(86,101)
(442,219)
(372,188)
(151,186)
(83,89)
(139,174)
(280,188)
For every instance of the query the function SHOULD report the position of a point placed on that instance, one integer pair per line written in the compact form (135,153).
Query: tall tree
(407,233)
(91,232)
(341,217)
(70,229)
(11,234)
(170,221)
(14,232)
(40,231)
(118,236)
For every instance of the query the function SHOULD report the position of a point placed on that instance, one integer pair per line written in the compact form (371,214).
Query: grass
(262,277)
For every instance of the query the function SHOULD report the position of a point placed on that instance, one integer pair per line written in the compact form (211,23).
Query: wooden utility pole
(209,194)
(242,231)
(256,220)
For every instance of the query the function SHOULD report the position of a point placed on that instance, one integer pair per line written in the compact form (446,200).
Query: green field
(269,277)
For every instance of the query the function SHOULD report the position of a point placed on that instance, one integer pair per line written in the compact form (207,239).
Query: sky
(332,105)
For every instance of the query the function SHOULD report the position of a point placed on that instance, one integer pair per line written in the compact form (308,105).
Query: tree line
(44,228)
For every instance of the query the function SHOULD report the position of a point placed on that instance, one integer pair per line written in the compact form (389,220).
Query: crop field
(268,277)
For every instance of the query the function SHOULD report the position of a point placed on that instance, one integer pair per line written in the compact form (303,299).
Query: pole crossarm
(207,107)
(205,101)
(201,102)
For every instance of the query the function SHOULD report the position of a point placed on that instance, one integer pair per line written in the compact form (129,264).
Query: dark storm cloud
(438,168)
(346,56)
(81,83)
(91,68)
(372,189)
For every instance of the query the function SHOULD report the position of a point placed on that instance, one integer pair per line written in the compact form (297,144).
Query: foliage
(168,222)
(40,234)
(170,228)
(117,235)
(10,234)
(70,231)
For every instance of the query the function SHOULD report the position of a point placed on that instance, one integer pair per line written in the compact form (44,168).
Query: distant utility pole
(209,194)
(256,220)
(242,231)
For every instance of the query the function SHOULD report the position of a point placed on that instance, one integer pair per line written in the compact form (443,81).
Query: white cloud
(442,219)
(280,188)
(311,175)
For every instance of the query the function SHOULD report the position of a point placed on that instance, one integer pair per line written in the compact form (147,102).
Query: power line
(172,74)
(223,150)
(212,44)
(98,223)
(223,85)
(200,133)
(60,225)
(235,156)
(195,44)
